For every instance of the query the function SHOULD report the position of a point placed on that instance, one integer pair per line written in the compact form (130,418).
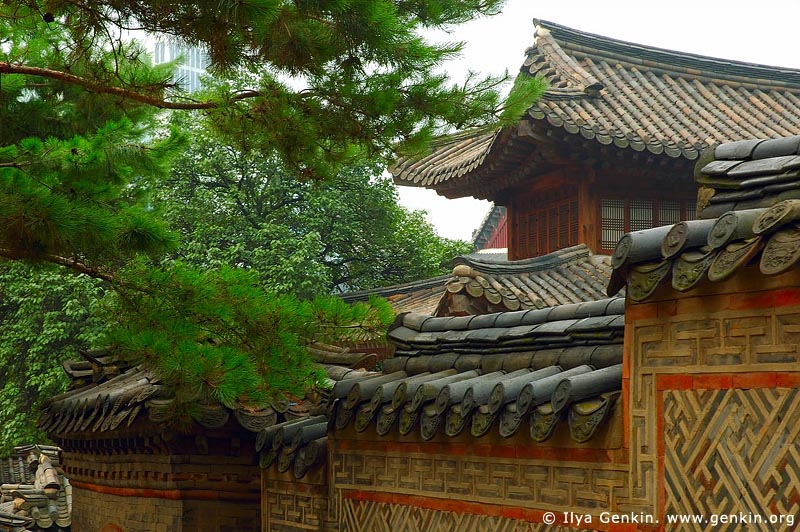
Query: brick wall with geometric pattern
(100,511)
(387,517)
(129,514)
(710,415)
(713,409)
(738,449)
(461,484)
(502,482)
(164,482)
(290,505)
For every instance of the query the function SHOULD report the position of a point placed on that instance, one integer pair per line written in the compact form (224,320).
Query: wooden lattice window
(640,215)
(613,222)
(547,229)
(669,212)
(563,227)
(541,233)
(619,216)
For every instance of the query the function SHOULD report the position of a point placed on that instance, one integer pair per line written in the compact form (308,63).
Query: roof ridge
(566,67)
(358,295)
(542,262)
(669,104)
(608,307)
(652,56)
(494,212)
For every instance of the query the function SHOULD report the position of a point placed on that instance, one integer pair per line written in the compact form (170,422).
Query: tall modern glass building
(195,61)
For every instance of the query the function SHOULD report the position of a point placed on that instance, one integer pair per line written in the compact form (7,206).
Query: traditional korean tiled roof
(635,98)
(296,445)
(119,401)
(535,368)
(489,283)
(417,296)
(34,493)
(491,255)
(749,212)
(570,275)
(451,157)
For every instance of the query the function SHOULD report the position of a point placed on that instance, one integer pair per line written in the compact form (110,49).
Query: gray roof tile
(494,350)
(724,240)
(34,475)
(741,149)
(777,147)
(614,92)
(135,392)
(570,275)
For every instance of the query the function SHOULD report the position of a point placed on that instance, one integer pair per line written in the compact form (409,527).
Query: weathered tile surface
(755,222)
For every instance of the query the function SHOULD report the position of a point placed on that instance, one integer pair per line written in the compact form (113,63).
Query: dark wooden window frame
(686,207)
(548,228)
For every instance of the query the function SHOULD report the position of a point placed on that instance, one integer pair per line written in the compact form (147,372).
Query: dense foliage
(47,315)
(216,335)
(74,165)
(318,86)
(300,237)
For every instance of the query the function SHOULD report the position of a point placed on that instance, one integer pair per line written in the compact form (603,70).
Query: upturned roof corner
(613,95)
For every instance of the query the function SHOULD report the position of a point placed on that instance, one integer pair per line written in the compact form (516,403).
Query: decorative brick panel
(129,514)
(164,471)
(138,485)
(296,507)
(733,451)
(95,510)
(749,337)
(704,349)
(534,484)
(704,402)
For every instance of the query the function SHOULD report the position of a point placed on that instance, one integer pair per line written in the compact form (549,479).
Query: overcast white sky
(765,32)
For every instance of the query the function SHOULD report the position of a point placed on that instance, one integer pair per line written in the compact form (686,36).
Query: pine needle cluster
(219,336)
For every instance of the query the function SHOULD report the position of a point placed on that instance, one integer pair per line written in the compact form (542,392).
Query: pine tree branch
(101,88)
(62,261)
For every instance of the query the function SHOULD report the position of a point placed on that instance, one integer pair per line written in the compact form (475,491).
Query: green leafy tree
(74,170)
(299,236)
(75,165)
(47,315)
(320,84)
